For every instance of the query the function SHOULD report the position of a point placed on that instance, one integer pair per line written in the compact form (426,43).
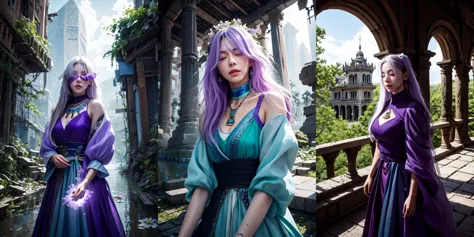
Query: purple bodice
(77,130)
(391,136)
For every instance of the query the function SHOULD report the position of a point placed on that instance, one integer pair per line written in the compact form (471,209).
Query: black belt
(237,173)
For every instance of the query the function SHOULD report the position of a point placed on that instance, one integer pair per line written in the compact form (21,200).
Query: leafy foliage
(27,30)
(130,25)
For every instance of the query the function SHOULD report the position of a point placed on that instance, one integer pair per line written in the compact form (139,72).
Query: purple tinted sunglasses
(86,77)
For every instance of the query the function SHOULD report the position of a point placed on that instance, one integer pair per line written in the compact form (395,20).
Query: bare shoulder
(273,104)
(96,108)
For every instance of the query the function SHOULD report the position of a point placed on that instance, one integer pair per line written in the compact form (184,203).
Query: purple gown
(404,145)
(99,216)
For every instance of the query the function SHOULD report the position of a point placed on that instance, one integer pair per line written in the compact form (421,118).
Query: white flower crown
(254,32)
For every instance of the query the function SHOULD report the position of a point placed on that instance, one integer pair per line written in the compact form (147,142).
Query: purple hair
(217,94)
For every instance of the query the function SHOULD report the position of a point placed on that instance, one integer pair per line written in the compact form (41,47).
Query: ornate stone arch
(448,39)
(378,17)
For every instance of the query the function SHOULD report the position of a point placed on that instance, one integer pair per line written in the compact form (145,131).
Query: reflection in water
(130,208)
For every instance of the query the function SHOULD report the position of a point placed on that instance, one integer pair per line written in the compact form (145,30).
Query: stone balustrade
(352,146)
(337,196)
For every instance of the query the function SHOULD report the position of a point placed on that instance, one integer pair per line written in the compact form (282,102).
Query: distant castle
(354,90)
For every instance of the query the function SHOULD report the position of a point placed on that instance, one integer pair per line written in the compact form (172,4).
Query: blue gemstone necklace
(76,108)
(239,93)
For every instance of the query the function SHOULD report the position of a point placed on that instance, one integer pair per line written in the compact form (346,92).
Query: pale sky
(341,43)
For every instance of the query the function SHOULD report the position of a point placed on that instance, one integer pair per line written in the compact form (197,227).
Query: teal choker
(76,108)
(241,92)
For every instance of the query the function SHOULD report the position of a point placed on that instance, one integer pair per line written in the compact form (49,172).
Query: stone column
(185,135)
(446,100)
(361,113)
(308,77)
(462,96)
(424,74)
(132,120)
(278,45)
(164,114)
(263,34)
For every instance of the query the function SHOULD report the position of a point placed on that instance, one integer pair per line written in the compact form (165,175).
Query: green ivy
(27,29)
(128,27)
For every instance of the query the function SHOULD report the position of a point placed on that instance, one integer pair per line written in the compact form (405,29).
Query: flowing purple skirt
(98,217)
(384,217)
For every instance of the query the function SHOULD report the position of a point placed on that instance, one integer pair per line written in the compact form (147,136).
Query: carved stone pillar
(462,96)
(185,134)
(329,159)
(263,34)
(164,115)
(352,161)
(278,44)
(424,74)
(446,100)
(308,77)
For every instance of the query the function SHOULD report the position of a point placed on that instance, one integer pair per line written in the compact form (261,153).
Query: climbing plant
(27,29)
(130,25)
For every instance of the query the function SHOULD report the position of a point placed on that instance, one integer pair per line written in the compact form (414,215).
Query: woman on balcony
(77,143)
(406,196)
(239,177)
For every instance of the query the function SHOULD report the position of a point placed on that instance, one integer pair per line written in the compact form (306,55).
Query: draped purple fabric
(100,211)
(404,143)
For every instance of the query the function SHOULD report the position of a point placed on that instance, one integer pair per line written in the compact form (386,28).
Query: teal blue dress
(273,147)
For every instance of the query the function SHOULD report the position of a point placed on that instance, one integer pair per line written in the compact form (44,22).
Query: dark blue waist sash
(230,174)
(71,149)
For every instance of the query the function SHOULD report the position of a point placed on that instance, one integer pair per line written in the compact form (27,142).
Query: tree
(328,127)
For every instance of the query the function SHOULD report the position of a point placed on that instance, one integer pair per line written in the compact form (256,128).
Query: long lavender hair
(401,64)
(92,91)
(217,94)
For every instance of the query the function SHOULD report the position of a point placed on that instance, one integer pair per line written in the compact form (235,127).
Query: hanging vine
(27,29)
(131,25)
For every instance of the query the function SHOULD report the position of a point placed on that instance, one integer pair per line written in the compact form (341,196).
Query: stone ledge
(176,196)
(174,184)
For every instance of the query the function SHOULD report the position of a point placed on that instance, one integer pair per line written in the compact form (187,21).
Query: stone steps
(302,171)
(305,195)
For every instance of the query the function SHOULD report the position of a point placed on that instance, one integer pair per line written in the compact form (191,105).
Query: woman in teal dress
(239,177)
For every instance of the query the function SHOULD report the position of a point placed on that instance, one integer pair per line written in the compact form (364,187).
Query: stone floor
(305,221)
(457,175)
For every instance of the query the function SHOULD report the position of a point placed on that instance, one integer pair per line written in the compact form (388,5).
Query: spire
(359,37)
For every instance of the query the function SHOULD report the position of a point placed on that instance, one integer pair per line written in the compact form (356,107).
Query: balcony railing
(352,146)
(339,196)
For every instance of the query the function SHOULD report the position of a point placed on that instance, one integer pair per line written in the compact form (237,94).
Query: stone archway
(364,108)
(336,108)
(380,20)
(447,38)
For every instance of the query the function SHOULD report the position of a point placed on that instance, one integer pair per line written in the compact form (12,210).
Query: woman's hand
(81,189)
(368,185)
(59,161)
(409,206)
